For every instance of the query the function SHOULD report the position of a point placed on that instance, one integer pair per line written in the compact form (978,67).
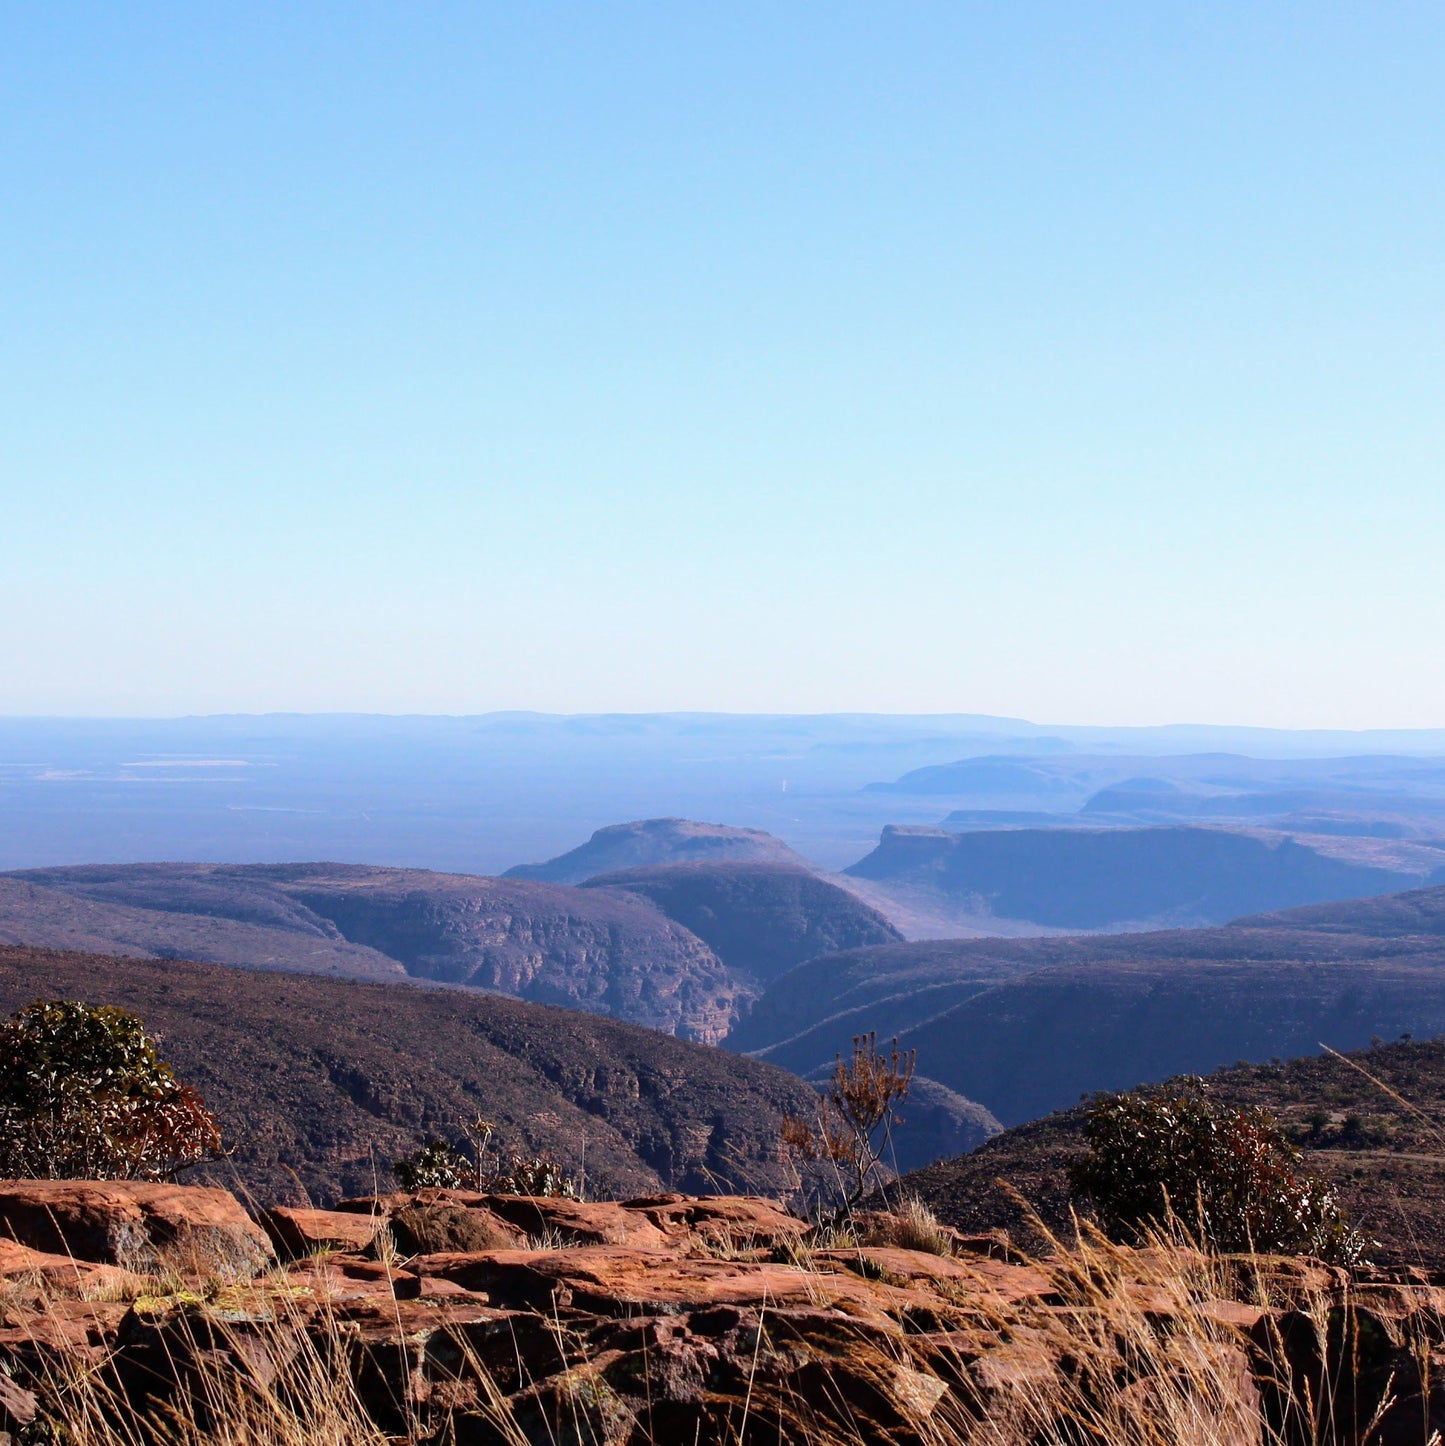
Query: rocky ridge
(677,1318)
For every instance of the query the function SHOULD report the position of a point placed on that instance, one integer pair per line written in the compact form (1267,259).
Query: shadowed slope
(326,1081)
(1023,1026)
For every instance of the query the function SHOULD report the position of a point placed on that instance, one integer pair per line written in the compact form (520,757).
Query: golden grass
(1129,1349)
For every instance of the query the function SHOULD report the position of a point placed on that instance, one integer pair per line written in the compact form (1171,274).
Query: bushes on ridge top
(1227,1173)
(442,1165)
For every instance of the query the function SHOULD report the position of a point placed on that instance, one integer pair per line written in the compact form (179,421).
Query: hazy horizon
(1105,725)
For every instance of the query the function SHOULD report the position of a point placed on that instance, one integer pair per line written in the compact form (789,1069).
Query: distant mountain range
(1372,796)
(1073,879)
(477,795)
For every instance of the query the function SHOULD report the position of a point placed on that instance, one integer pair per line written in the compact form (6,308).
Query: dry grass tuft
(912,1226)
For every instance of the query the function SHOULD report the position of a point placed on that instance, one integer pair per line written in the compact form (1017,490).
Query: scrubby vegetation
(440,1164)
(84,1094)
(1225,1171)
(1371,1124)
(842,1149)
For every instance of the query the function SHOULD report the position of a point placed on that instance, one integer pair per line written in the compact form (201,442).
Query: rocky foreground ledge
(476,1319)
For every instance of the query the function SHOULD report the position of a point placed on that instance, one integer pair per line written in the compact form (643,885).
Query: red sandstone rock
(65,1273)
(611,1342)
(17,1405)
(136,1225)
(736,1222)
(297,1232)
(579,1222)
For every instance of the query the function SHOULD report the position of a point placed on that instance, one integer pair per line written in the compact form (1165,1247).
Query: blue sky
(1077,362)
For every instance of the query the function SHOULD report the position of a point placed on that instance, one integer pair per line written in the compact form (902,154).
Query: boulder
(64,1273)
(138,1225)
(296,1232)
(425,1227)
(550,1222)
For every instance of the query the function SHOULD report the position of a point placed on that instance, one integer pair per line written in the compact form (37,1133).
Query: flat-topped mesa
(646,842)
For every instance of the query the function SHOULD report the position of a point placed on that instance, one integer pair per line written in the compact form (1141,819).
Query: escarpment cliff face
(1095,879)
(554,945)
(585,949)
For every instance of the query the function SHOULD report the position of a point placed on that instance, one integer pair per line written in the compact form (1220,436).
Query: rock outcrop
(138,1226)
(675,1318)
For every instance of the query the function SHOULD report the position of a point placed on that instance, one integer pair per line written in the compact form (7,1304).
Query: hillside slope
(326,1081)
(1385,1157)
(58,918)
(1023,1026)
(1098,879)
(608,953)
(650,841)
(760,919)
(1035,1044)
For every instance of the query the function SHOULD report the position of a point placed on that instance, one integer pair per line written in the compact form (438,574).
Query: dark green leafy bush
(85,1095)
(435,1164)
(441,1165)
(1228,1174)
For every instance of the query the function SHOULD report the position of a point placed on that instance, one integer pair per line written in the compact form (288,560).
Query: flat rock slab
(739,1222)
(66,1274)
(565,1222)
(137,1225)
(615,1280)
(297,1232)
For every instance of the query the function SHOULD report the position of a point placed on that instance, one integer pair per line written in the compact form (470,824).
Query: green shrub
(438,1164)
(1226,1172)
(435,1164)
(84,1094)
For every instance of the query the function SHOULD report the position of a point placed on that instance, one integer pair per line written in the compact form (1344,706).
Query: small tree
(853,1131)
(84,1094)
(1227,1171)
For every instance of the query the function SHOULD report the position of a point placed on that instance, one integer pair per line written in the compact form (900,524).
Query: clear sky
(1074,361)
